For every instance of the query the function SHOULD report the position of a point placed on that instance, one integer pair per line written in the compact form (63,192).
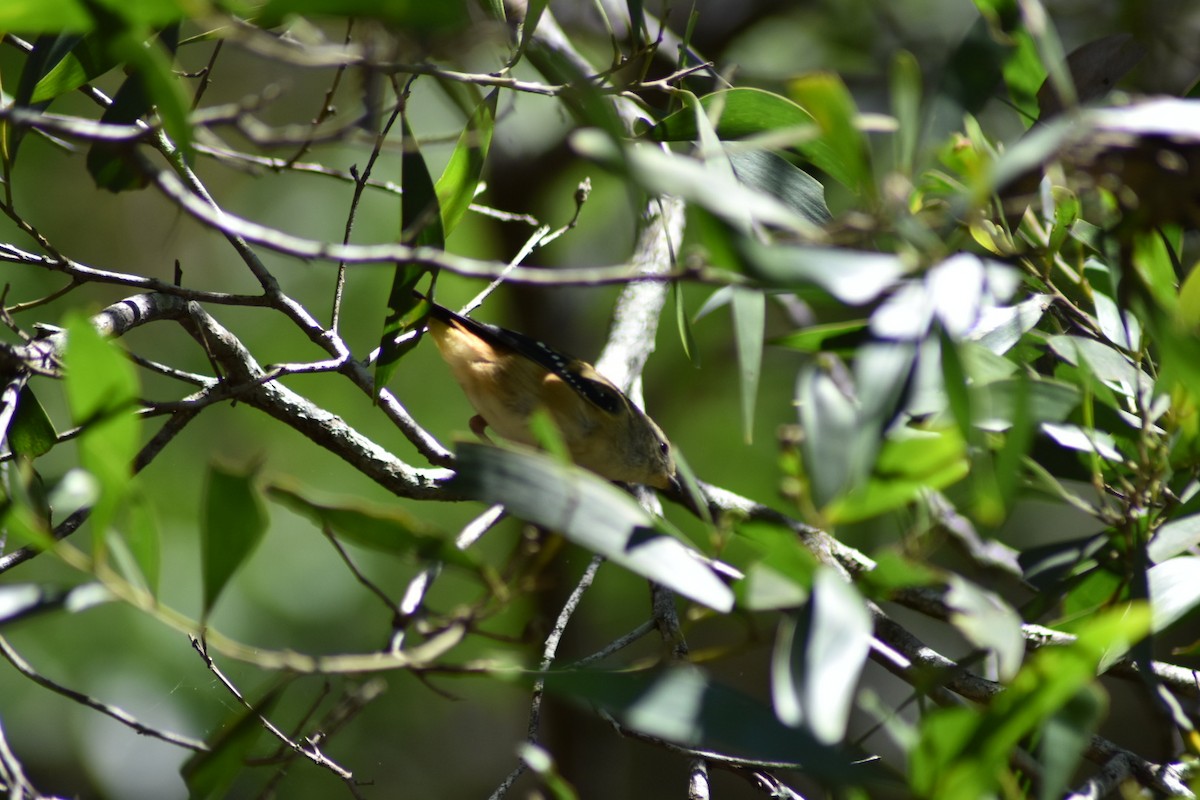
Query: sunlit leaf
(1174,537)
(45,16)
(964,752)
(101,390)
(590,512)
(1075,437)
(86,61)
(828,337)
(1174,589)
(826,97)
(693,180)
(456,187)
(830,420)
(988,622)
(819,655)
(854,277)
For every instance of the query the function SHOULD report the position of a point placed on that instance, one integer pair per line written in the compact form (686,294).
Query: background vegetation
(909,286)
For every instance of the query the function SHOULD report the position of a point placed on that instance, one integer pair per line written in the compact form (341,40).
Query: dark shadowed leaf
(32,433)
(234,523)
(685,706)
(777,176)
(1065,736)
(209,775)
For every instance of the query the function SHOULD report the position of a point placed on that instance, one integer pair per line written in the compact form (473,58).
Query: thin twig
(308,749)
(123,717)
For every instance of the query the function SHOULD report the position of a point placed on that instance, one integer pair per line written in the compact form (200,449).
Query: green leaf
(102,393)
(744,112)
(108,163)
(386,529)
(827,337)
(778,567)
(1152,263)
(910,464)
(405,312)
(749,319)
(683,705)
(25,512)
(749,112)
(45,16)
(233,525)
(456,187)
(830,420)
(420,226)
(1112,367)
(825,96)
(141,535)
(712,188)
(780,178)
(965,752)
(153,64)
(1174,589)
(86,61)
(32,433)
(210,775)
(420,211)
(589,511)
(1065,737)
(906,85)
(686,339)
(854,277)
(998,404)
(954,382)
(533,15)
(988,622)
(1174,538)
(1024,75)
(819,657)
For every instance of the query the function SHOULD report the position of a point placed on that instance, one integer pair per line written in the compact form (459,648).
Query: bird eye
(664,448)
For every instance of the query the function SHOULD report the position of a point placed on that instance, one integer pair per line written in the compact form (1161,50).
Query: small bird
(507,376)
